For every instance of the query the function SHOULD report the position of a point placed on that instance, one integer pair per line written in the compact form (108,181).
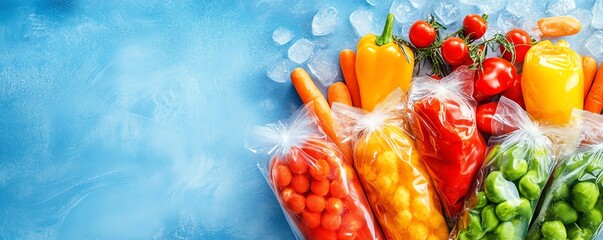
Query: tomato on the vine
(475,26)
(521,42)
(422,34)
(495,76)
(455,51)
(484,114)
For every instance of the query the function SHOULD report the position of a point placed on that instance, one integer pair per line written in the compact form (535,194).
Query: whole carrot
(594,99)
(559,26)
(347,61)
(338,92)
(308,92)
(589,66)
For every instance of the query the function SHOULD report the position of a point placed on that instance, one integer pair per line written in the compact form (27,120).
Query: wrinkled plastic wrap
(510,183)
(317,189)
(395,181)
(444,125)
(572,205)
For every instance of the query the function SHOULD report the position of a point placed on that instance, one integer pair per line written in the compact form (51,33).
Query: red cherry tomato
(484,114)
(495,76)
(422,34)
(475,26)
(514,93)
(521,42)
(455,51)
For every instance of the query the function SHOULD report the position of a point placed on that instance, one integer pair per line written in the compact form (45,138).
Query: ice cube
(521,7)
(530,25)
(362,21)
(324,67)
(597,21)
(446,12)
(418,4)
(560,7)
(487,6)
(594,43)
(493,30)
(279,71)
(282,35)
(324,21)
(507,21)
(584,16)
(374,2)
(404,12)
(301,50)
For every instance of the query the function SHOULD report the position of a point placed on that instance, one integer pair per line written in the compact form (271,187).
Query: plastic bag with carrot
(395,181)
(572,205)
(509,185)
(317,189)
(444,125)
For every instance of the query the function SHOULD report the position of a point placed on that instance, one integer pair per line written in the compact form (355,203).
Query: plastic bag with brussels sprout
(509,184)
(572,205)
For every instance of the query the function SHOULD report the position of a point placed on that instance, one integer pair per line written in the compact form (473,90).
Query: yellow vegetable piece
(552,82)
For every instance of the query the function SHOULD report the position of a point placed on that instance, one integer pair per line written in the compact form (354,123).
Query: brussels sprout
(493,155)
(591,219)
(482,200)
(506,210)
(563,212)
(574,232)
(463,235)
(489,219)
(474,230)
(540,161)
(498,189)
(584,196)
(505,231)
(514,168)
(529,185)
(560,192)
(553,230)
(525,208)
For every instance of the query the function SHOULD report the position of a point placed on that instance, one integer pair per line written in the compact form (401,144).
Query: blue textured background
(125,119)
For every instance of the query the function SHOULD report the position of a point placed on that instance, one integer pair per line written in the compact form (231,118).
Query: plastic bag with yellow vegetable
(395,181)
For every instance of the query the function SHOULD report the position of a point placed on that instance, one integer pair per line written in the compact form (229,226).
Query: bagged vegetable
(510,183)
(444,126)
(395,181)
(572,204)
(317,189)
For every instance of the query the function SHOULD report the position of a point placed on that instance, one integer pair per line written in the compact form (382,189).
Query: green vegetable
(529,185)
(553,230)
(489,219)
(463,235)
(482,200)
(575,232)
(561,192)
(474,230)
(514,168)
(498,189)
(505,231)
(540,160)
(591,219)
(507,210)
(564,212)
(493,155)
(584,196)
(525,208)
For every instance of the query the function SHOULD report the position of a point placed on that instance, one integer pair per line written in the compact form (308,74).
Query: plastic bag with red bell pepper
(316,187)
(444,125)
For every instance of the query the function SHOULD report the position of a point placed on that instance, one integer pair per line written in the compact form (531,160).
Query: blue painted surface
(125,119)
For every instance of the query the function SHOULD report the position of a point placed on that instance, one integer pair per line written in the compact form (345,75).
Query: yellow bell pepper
(552,82)
(382,66)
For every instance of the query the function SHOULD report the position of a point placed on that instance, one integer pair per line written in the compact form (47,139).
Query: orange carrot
(347,61)
(594,99)
(308,92)
(589,66)
(559,26)
(338,92)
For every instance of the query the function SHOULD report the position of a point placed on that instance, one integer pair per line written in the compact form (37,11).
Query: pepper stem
(386,36)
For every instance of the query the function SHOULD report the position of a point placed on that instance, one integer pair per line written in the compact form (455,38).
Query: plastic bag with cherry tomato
(395,181)
(444,125)
(317,189)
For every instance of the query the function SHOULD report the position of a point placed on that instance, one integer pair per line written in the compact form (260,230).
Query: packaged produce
(317,189)
(572,204)
(509,185)
(444,125)
(396,183)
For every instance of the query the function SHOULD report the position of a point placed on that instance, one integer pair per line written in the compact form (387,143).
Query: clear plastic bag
(444,125)
(572,204)
(317,189)
(510,183)
(395,181)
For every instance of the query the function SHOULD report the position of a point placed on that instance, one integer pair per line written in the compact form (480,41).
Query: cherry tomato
(495,76)
(315,203)
(475,26)
(300,183)
(334,205)
(514,93)
(282,175)
(311,219)
(320,187)
(455,51)
(331,221)
(422,34)
(521,42)
(320,170)
(484,114)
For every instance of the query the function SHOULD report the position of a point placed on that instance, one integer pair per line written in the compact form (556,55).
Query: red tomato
(495,76)
(422,34)
(475,26)
(521,42)
(514,93)
(484,114)
(455,51)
